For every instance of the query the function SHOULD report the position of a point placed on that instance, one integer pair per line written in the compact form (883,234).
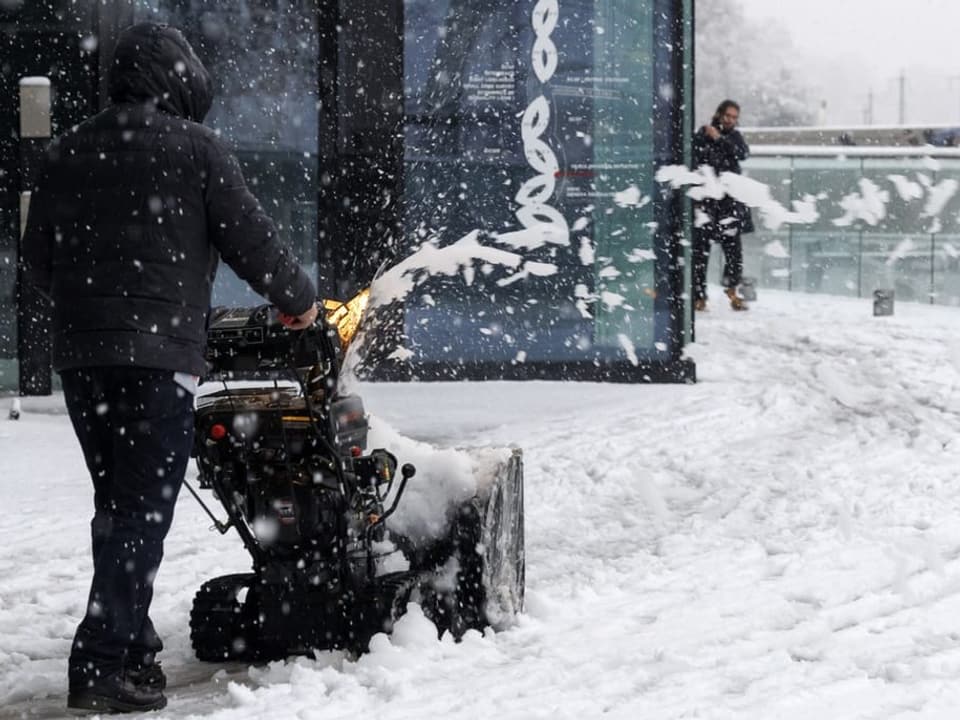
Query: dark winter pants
(135,427)
(728,237)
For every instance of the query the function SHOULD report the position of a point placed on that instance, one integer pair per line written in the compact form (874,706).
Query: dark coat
(132,212)
(724,155)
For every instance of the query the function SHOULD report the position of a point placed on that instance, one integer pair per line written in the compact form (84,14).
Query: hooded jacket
(132,211)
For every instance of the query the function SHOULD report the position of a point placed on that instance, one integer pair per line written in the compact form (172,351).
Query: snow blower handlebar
(258,341)
(407,471)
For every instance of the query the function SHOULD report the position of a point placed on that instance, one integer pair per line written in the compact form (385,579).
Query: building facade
(504,149)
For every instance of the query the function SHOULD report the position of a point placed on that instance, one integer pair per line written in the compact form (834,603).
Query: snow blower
(285,455)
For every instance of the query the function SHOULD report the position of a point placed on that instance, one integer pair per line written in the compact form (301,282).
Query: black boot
(115,693)
(148,675)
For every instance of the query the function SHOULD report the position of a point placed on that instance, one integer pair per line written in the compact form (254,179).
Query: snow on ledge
(852,151)
(35,82)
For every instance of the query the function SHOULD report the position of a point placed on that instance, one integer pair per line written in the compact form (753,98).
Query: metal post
(933,268)
(903,98)
(33,326)
(790,232)
(954,79)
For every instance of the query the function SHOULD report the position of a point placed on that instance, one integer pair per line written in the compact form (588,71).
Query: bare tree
(747,62)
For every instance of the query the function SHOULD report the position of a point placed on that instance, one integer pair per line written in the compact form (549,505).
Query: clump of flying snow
(907,189)
(869,205)
(458,258)
(775,249)
(612,300)
(938,195)
(628,348)
(631,197)
(462,259)
(538,269)
(639,255)
(703,183)
(902,250)
(587,253)
(400,353)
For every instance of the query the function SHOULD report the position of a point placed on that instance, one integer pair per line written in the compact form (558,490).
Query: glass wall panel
(946,245)
(774,172)
(826,262)
(825,180)
(262,55)
(766,252)
(621,94)
(467,84)
(766,259)
(946,269)
(886,220)
(899,261)
(520,116)
(900,183)
(944,171)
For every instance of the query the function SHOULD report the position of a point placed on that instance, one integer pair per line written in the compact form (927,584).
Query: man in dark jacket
(721,146)
(127,221)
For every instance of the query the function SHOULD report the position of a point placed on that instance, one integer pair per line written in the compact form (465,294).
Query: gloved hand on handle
(300,322)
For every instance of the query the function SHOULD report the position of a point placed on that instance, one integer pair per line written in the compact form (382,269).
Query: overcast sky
(872,41)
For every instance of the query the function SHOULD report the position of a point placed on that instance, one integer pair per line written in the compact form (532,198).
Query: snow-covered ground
(780,540)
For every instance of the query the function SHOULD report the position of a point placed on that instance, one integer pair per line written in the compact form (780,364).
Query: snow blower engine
(285,454)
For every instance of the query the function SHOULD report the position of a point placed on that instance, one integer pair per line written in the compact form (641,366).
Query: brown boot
(736,302)
(700,305)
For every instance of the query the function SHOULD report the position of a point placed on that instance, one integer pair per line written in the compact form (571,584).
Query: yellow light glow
(346,316)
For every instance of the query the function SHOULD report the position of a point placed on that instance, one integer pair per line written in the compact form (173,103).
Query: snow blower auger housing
(285,454)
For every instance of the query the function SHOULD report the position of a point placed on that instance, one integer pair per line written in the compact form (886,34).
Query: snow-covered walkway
(780,540)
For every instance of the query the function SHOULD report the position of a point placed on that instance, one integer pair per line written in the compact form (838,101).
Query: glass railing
(887,218)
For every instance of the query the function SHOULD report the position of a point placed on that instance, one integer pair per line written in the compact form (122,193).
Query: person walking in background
(127,222)
(721,146)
